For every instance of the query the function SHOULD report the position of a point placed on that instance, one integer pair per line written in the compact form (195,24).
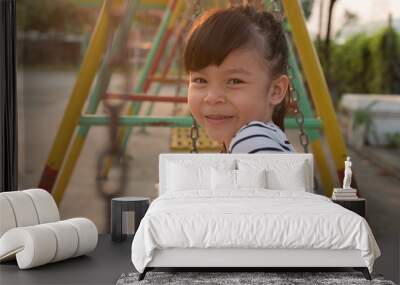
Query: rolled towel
(40,244)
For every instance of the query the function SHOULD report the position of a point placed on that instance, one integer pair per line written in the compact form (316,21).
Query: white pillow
(291,175)
(183,177)
(189,174)
(228,179)
(294,180)
(251,178)
(223,179)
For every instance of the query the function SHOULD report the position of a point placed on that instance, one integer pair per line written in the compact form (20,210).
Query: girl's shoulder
(258,136)
(265,125)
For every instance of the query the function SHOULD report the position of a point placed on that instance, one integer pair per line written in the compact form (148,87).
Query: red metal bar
(48,179)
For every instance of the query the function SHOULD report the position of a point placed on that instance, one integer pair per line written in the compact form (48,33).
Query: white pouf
(23,208)
(40,244)
(66,237)
(45,205)
(33,246)
(31,230)
(87,233)
(7,220)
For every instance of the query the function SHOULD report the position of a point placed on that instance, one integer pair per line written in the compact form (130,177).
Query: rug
(243,278)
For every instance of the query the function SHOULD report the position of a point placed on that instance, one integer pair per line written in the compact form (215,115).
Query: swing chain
(194,135)
(278,10)
(299,116)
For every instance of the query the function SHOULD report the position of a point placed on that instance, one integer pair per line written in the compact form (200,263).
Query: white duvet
(253,218)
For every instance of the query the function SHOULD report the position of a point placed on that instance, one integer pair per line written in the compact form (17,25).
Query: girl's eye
(199,80)
(235,81)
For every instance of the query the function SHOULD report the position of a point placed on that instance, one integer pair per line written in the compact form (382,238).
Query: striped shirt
(257,136)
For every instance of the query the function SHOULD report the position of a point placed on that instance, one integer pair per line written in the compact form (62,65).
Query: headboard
(209,158)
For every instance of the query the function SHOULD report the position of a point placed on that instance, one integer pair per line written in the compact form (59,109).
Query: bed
(247,210)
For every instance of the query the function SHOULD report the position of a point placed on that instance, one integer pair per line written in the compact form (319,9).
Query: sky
(368,12)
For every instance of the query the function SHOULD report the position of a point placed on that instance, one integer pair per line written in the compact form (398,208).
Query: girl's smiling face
(224,98)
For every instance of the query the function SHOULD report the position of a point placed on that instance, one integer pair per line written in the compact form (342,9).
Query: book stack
(344,194)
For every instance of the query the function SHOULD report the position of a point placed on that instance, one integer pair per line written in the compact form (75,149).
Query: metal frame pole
(100,87)
(87,73)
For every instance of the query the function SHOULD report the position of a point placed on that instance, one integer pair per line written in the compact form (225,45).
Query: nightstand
(126,215)
(358,206)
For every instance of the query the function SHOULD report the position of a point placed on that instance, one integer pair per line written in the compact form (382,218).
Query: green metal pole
(175,121)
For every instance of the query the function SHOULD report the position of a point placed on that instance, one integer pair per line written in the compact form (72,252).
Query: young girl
(237,63)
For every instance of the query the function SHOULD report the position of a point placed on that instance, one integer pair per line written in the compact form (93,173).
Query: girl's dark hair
(217,32)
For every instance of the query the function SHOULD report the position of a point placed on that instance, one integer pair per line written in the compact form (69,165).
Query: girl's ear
(278,89)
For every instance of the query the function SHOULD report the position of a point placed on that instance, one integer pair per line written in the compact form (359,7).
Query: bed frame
(244,259)
(241,259)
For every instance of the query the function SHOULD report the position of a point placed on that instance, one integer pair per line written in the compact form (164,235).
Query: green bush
(393,140)
(365,64)
(62,16)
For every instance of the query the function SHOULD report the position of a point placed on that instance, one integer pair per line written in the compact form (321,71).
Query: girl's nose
(214,97)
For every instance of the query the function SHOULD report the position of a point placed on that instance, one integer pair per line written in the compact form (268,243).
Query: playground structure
(76,123)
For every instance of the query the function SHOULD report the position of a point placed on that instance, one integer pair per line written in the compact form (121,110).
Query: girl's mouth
(217,119)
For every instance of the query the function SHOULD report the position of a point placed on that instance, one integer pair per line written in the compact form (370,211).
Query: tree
(327,46)
(51,16)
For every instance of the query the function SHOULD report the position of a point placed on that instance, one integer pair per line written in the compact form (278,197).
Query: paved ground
(42,99)
(382,191)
